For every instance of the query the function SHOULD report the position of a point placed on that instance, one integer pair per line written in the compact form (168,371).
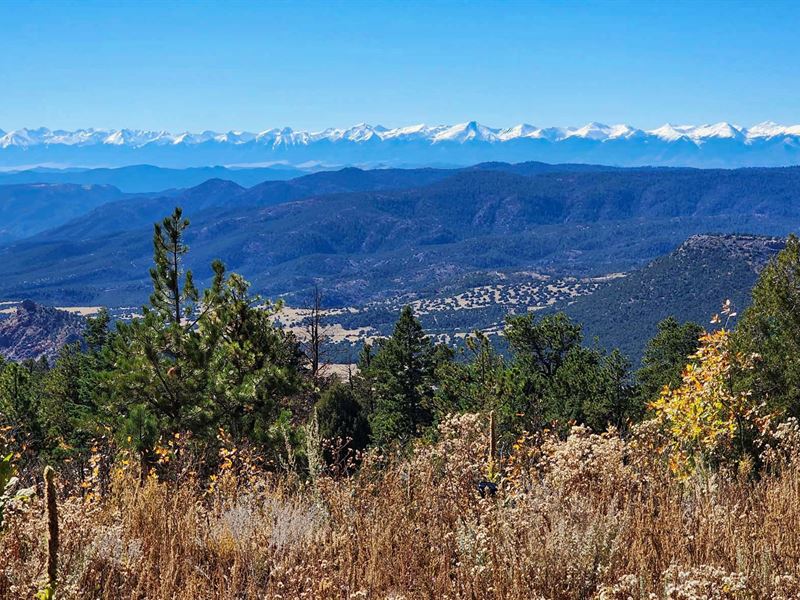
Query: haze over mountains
(717,145)
(148,178)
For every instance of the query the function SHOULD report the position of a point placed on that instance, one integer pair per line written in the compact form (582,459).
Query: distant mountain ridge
(30,208)
(710,145)
(396,233)
(147,178)
(220,195)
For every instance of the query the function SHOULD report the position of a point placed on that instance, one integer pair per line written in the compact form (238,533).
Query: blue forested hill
(26,209)
(367,235)
(690,284)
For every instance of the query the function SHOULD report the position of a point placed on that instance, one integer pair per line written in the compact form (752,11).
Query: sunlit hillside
(203,449)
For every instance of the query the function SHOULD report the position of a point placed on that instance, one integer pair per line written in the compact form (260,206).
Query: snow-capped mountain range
(720,144)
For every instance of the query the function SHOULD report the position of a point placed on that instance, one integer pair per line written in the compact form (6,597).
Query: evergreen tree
(401,374)
(73,403)
(66,407)
(19,405)
(365,356)
(538,347)
(591,388)
(542,345)
(253,365)
(161,359)
(96,336)
(769,332)
(172,301)
(557,380)
(476,384)
(665,357)
(196,364)
(341,422)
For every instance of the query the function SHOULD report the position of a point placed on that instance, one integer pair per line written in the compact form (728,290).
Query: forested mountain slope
(218,196)
(690,284)
(368,245)
(26,209)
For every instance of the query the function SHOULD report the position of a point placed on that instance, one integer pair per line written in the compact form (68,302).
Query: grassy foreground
(594,516)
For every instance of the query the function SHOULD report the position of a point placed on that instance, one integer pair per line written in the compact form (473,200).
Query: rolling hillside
(364,246)
(690,283)
(26,209)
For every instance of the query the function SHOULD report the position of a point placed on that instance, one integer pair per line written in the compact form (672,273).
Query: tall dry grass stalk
(51,509)
(594,516)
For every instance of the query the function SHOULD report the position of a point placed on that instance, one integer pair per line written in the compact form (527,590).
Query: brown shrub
(588,517)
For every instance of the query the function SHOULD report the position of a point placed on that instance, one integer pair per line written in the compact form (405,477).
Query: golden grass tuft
(594,516)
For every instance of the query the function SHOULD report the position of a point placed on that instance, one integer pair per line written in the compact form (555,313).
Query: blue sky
(231,65)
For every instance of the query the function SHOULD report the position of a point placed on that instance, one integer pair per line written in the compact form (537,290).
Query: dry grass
(591,517)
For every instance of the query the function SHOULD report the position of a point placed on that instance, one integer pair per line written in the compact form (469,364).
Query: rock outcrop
(35,331)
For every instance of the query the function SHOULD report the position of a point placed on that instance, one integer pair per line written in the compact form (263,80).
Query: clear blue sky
(230,65)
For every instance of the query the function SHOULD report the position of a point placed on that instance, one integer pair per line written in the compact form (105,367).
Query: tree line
(216,363)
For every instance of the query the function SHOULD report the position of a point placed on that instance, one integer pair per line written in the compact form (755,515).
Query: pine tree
(199,363)
(171,300)
(769,333)
(253,365)
(401,374)
(161,359)
(665,357)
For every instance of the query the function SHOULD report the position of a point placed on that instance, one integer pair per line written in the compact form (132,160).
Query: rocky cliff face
(754,250)
(35,331)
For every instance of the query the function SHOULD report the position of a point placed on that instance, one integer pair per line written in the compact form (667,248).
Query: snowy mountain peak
(361,133)
(414,144)
(470,131)
(518,131)
(720,130)
(601,132)
(466,132)
(670,133)
(768,129)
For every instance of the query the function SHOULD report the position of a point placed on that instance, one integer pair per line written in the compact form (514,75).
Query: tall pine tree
(161,359)
(401,374)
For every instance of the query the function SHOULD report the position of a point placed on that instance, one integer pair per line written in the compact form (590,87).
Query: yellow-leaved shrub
(706,419)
